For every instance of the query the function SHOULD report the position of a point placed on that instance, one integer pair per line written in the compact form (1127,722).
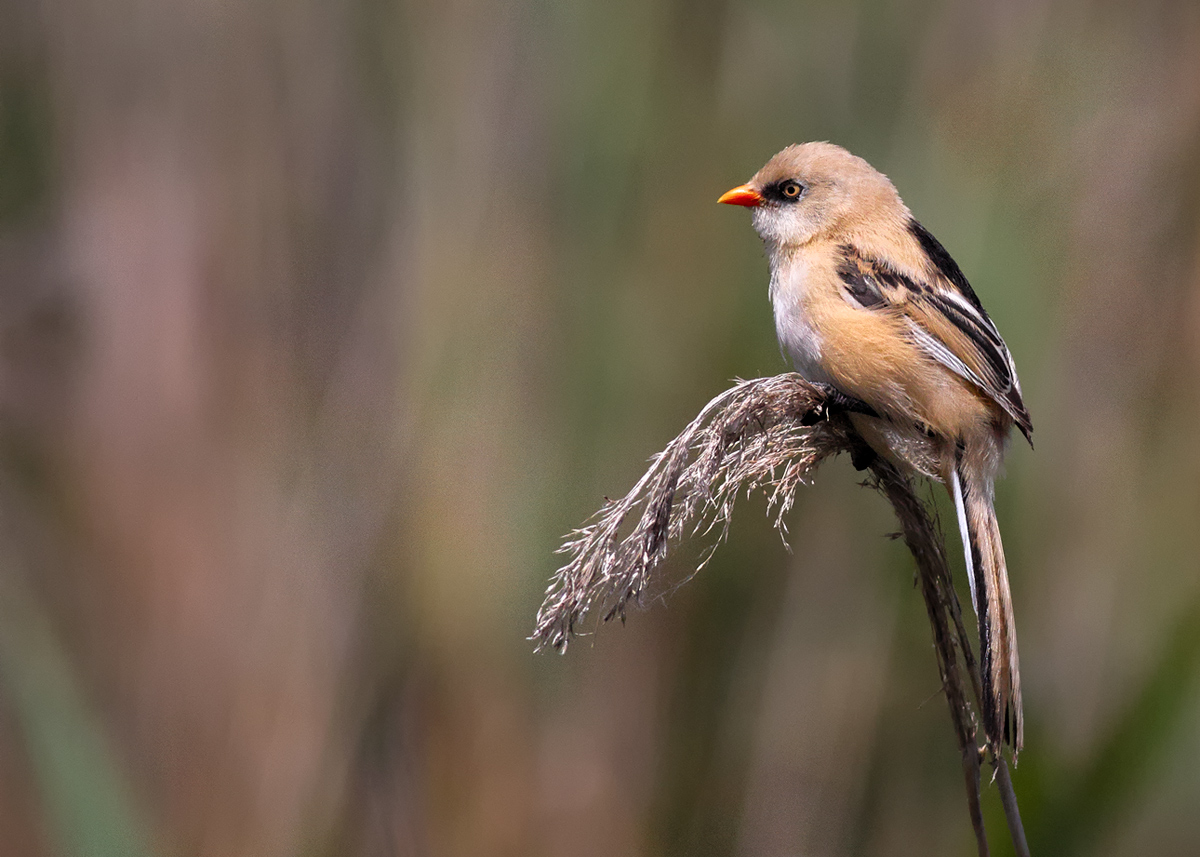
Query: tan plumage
(866,300)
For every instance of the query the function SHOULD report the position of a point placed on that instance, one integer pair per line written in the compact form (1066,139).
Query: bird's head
(814,189)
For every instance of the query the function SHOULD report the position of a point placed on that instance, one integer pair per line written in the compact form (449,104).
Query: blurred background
(321,322)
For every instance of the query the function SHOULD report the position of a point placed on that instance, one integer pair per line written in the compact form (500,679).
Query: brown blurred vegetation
(321,322)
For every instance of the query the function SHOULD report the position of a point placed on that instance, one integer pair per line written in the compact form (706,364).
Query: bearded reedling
(869,305)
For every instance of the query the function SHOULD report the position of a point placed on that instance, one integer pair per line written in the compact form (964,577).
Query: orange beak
(742,195)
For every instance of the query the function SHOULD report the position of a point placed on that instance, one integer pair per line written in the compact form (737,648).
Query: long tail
(992,600)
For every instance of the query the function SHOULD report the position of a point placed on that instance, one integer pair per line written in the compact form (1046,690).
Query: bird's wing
(945,320)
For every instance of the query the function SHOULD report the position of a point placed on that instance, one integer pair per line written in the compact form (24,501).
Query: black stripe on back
(944,263)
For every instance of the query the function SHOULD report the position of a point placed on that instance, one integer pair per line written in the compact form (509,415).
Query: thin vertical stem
(1008,797)
(924,542)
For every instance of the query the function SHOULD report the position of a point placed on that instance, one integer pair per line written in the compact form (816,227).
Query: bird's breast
(797,336)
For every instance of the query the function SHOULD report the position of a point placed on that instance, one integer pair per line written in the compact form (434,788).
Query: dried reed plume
(769,434)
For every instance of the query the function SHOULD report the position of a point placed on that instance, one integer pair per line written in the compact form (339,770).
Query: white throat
(797,338)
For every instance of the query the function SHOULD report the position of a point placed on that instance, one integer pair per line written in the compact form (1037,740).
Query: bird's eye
(791,190)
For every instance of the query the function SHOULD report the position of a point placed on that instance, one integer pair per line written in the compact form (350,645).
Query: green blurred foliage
(25,151)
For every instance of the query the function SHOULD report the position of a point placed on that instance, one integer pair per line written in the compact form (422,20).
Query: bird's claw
(833,399)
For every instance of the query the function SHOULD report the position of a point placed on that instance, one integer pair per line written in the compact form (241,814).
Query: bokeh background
(321,321)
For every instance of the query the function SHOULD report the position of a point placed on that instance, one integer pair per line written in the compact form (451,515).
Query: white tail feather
(961,509)
(998,637)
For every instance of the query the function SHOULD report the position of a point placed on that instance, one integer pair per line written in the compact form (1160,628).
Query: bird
(873,309)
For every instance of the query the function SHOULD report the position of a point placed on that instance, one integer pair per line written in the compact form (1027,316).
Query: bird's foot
(834,400)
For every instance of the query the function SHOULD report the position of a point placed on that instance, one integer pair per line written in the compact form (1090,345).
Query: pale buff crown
(842,195)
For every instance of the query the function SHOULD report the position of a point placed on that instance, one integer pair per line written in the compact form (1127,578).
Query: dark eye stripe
(787,190)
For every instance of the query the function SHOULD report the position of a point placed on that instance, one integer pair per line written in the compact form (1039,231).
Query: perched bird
(870,305)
